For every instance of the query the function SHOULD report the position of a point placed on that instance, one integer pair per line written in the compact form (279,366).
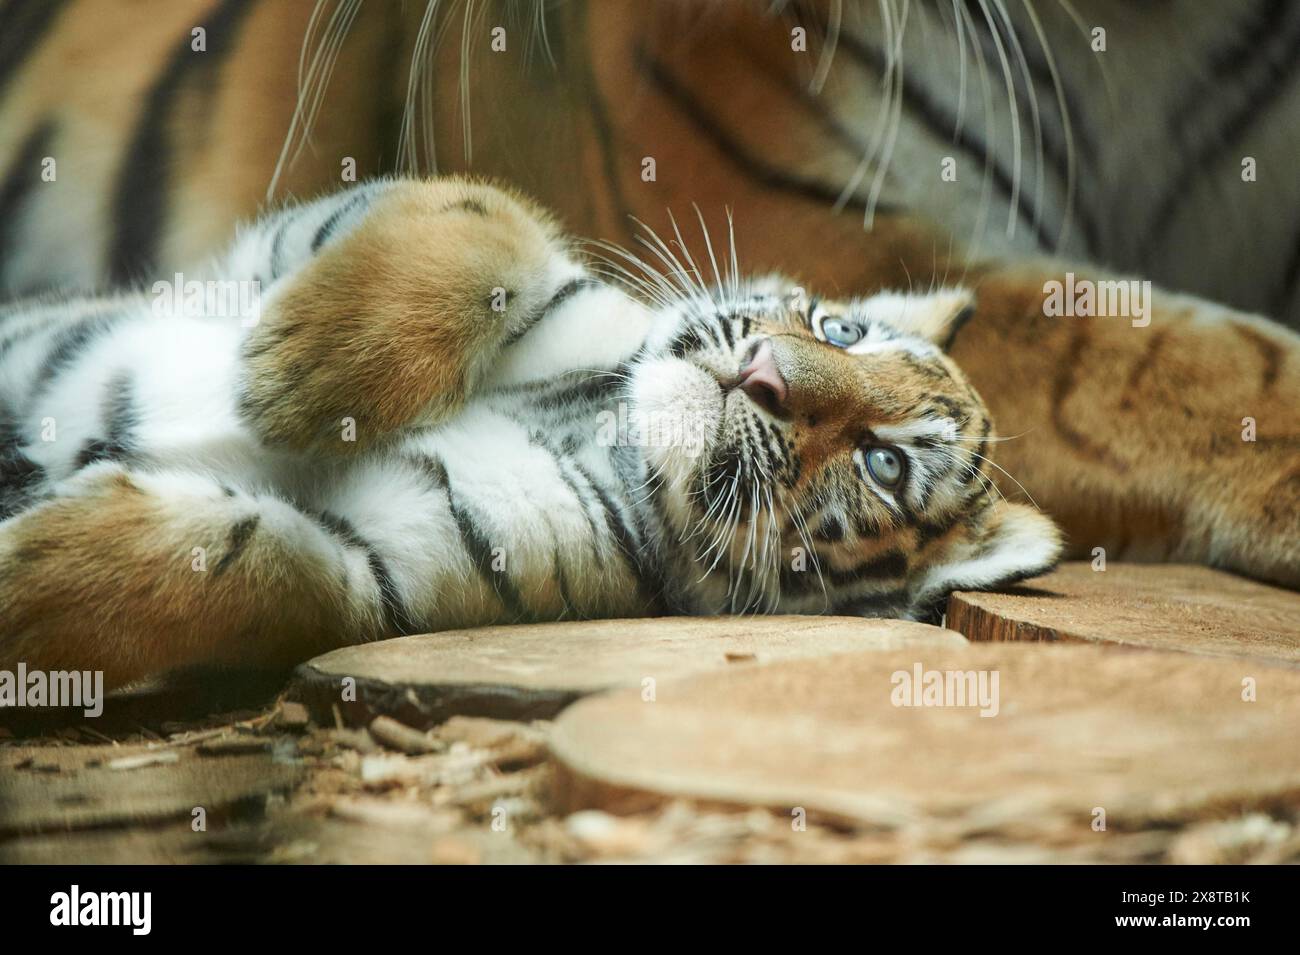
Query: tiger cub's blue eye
(885,465)
(839,332)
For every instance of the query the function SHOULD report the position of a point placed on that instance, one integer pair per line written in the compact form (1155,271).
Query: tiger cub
(440,417)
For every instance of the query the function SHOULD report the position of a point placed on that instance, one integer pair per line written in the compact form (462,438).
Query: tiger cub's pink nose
(761,380)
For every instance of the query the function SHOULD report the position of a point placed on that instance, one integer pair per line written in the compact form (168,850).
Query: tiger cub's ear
(936,317)
(1011,542)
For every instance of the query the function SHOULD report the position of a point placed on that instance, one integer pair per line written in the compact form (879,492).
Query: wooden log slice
(1168,607)
(1146,737)
(534,671)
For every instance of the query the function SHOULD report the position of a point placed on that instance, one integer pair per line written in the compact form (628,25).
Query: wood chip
(358,740)
(402,815)
(196,736)
(232,745)
(601,834)
(487,733)
(382,770)
(144,759)
(489,790)
(292,715)
(401,737)
(519,754)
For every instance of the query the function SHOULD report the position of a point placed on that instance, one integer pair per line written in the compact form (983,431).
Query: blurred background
(859,143)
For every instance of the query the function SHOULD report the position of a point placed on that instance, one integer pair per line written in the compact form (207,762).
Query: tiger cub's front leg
(393,321)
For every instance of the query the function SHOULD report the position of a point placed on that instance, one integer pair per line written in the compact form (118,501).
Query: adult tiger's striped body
(1129,155)
(1130,437)
(384,452)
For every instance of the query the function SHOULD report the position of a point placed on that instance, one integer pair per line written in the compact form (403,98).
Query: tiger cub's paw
(394,324)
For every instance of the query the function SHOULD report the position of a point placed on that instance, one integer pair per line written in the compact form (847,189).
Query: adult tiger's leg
(1174,440)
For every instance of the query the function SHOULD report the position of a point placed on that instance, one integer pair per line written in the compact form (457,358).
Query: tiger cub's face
(824,456)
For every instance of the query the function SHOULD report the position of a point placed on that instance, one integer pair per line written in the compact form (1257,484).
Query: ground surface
(722,741)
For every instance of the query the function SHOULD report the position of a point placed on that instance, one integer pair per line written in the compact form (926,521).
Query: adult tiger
(972,138)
